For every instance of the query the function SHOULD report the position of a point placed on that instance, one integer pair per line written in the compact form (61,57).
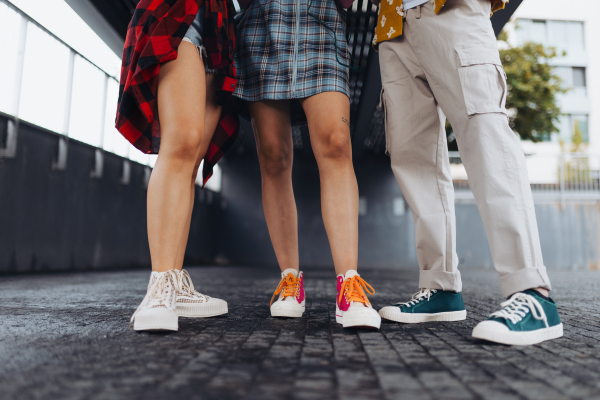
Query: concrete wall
(569,236)
(65,220)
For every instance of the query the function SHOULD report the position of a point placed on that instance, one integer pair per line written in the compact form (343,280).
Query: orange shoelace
(289,286)
(353,290)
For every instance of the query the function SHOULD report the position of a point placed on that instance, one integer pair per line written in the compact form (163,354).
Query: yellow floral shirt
(389,22)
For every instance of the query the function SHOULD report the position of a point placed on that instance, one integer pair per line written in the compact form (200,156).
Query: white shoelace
(187,287)
(517,307)
(417,297)
(157,295)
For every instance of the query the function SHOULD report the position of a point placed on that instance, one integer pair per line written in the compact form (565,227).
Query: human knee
(336,145)
(275,159)
(185,148)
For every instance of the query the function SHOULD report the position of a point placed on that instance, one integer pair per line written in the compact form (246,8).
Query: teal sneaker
(427,305)
(526,318)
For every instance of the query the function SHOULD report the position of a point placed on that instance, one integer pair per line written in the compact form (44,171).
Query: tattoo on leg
(344,120)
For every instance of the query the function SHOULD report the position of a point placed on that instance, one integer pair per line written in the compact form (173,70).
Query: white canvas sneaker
(352,306)
(291,299)
(193,304)
(157,310)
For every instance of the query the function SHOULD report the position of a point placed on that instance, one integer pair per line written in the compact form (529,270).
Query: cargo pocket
(482,79)
(382,108)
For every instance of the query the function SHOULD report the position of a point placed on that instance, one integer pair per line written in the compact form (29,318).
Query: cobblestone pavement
(64,336)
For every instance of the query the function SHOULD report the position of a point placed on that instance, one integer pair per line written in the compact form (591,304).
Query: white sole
(287,313)
(156,322)
(406,318)
(201,310)
(360,320)
(519,338)
(292,312)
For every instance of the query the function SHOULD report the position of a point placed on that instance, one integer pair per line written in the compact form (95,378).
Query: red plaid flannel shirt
(154,34)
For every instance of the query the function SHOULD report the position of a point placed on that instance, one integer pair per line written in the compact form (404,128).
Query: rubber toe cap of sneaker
(491,325)
(366,317)
(285,305)
(390,309)
(213,301)
(155,312)
(356,312)
(156,318)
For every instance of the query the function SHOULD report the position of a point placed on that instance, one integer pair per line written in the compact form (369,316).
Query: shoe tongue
(289,271)
(153,277)
(350,273)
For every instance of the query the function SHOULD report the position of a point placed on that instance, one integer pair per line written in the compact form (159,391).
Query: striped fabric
(276,63)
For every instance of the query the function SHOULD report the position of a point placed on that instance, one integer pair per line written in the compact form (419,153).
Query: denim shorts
(194,34)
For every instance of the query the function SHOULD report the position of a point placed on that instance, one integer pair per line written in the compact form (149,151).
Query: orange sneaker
(291,295)
(352,306)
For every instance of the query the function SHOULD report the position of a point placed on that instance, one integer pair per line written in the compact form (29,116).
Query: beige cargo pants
(447,65)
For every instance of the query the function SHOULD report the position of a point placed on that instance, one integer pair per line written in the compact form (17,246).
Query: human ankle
(160,270)
(542,291)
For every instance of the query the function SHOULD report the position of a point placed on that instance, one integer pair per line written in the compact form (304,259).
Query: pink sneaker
(291,295)
(352,306)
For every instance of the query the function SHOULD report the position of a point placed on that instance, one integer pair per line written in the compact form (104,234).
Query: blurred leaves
(532,89)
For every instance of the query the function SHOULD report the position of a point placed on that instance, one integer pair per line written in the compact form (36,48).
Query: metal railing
(557,178)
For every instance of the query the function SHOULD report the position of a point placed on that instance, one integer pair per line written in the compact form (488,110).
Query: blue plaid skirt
(283,51)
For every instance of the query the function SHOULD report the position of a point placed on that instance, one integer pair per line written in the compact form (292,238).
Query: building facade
(570,27)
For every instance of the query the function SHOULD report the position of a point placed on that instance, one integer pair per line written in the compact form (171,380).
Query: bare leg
(328,117)
(184,140)
(212,115)
(271,122)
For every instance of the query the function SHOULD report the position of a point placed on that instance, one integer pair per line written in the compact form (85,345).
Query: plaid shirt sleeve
(153,37)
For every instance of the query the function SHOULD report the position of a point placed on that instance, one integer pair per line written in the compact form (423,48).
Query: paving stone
(65,336)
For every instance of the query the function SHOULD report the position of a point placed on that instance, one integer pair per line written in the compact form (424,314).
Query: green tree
(532,89)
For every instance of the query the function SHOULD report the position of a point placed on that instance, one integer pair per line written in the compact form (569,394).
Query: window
(531,31)
(581,122)
(86,103)
(579,77)
(575,37)
(45,74)
(565,35)
(362,206)
(214,183)
(538,32)
(557,34)
(567,126)
(573,78)
(10,23)
(110,132)
(566,76)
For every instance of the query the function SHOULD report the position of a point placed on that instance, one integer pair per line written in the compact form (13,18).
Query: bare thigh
(187,112)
